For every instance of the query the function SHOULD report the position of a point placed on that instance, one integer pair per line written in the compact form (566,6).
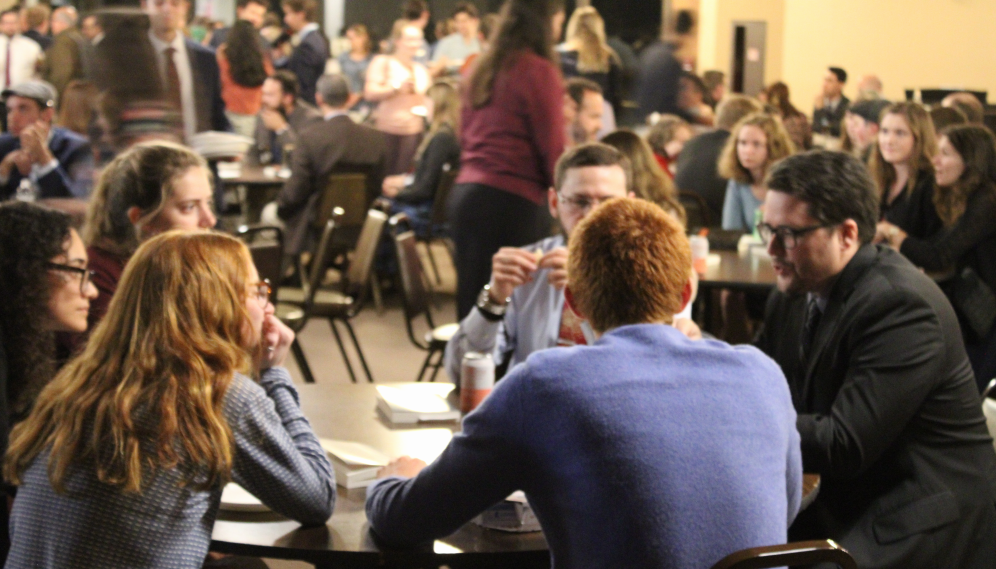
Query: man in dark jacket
(310,48)
(888,408)
(57,162)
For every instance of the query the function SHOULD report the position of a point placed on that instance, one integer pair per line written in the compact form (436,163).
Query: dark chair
(266,245)
(789,554)
(438,220)
(696,209)
(296,306)
(416,298)
(347,190)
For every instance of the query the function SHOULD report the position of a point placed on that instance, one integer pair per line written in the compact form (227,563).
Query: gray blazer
(302,115)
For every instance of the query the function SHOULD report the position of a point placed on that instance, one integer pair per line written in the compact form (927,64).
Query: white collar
(160,46)
(308,28)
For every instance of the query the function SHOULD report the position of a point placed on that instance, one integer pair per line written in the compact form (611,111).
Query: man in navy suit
(57,162)
(310,48)
(190,70)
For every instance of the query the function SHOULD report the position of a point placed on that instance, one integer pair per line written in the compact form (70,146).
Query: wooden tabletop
(730,269)
(252,175)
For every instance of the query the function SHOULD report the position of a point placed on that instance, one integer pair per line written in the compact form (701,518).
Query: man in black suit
(310,49)
(323,147)
(57,162)
(697,164)
(889,412)
(830,106)
(282,116)
(189,70)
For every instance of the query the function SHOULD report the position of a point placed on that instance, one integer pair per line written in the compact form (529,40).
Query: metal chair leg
(425,366)
(342,350)
(302,362)
(359,352)
(437,365)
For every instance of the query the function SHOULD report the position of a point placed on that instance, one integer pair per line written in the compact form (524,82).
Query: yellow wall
(716,19)
(907,43)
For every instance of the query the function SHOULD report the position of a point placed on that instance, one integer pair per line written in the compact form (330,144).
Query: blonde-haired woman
(901,167)
(757,141)
(439,153)
(150,188)
(124,456)
(585,53)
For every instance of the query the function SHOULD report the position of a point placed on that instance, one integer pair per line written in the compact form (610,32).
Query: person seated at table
(523,308)
(584,109)
(645,449)
(46,288)
(149,189)
(757,142)
(667,138)
(965,171)
(889,413)
(649,180)
(943,117)
(282,116)
(56,162)
(861,125)
(439,153)
(123,458)
(902,170)
(968,104)
(322,147)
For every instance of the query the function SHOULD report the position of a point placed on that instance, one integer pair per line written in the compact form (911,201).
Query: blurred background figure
(667,138)
(243,65)
(585,53)
(795,122)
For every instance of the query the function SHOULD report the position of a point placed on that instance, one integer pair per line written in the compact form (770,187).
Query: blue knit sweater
(645,449)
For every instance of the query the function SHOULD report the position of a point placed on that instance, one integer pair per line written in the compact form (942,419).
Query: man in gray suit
(334,143)
(888,408)
(282,116)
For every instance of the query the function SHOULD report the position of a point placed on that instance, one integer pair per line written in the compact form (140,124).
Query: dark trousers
(485,219)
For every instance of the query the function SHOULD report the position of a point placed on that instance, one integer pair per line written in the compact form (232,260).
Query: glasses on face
(85,275)
(263,291)
(581,203)
(788,236)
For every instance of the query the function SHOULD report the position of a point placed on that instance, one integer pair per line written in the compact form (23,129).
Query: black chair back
(696,210)
(324,254)
(415,294)
(438,217)
(266,245)
(361,266)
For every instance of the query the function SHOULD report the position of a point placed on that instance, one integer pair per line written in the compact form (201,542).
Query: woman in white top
(398,83)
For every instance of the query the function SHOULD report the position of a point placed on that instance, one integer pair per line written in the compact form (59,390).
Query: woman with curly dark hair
(244,66)
(46,288)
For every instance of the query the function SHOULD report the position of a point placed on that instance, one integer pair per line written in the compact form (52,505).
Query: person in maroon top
(512,133)
(151,188)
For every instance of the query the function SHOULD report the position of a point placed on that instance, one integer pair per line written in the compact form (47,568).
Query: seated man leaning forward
(645,449)
(58,162)
(522,309)
(889,411)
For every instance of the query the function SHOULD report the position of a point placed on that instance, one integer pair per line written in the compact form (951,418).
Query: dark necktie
(813,314)
(172,81)
(6,83)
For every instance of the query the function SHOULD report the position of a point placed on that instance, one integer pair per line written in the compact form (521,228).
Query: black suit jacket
(322,148)
(307,61)
(697,171)
(207,88)
(72,178)
(891,419)
(827,120)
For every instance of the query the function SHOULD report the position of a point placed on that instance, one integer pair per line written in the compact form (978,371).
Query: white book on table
(355,464)
(407,403)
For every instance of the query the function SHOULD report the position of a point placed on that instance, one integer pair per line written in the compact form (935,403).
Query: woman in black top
(438,154)
(965,168)
(901,168)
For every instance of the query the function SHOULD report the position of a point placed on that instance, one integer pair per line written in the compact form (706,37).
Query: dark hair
(309,7)
(413,9)
(30,236)
(288,82)
(334,89)
(524,26)
(37,15)
(968,104)
(778,95)
(977,147)
(733,108)
(683,22)
(840,73)
(576,87)
(695,81)
(464,8)
(947,116)
(240,4)
(835,185)
(592,154)
(242,50)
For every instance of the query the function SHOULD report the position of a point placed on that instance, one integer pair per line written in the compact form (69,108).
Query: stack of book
(406,403)
(355,464)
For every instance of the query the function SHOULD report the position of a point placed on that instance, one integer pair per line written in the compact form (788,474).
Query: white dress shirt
(182,61)
(24,54)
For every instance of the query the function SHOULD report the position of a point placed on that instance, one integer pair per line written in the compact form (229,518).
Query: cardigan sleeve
(443,149)
(944,250)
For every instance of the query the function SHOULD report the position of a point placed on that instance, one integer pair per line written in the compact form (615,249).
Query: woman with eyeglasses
(45,287)
(180,389)
(150,188)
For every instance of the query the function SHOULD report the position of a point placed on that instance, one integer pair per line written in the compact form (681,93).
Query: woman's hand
(275,342)
(889,234)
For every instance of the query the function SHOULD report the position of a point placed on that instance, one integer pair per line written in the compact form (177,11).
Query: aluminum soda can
(477,379)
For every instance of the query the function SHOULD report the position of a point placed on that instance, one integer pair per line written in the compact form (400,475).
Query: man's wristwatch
(490,309)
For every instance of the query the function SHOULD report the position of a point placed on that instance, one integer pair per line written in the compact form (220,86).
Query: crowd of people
(142,362)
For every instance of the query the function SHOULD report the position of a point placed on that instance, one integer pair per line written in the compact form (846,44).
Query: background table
(261,187)
(748,272)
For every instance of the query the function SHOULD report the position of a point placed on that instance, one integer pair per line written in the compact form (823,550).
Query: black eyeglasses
(789,236)
(582,203)
(263,292)
(85,275)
